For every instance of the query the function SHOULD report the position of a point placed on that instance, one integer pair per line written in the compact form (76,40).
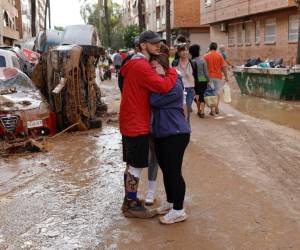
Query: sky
(67,12)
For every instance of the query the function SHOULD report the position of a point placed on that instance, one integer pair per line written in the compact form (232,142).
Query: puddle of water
(281,112)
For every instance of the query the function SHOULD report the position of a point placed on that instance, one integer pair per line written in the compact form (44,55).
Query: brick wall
(222,10)
(282,48)
(186,13)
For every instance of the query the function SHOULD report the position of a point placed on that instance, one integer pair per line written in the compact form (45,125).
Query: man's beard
(151,53)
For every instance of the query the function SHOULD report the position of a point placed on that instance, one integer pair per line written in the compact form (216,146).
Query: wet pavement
(285,113)
(243,189)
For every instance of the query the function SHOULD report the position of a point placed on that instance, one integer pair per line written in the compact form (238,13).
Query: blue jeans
(190,94)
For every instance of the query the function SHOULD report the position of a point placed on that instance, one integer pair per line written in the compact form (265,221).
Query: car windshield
(11,78)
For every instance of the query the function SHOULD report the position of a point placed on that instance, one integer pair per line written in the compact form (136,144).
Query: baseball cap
(150,37)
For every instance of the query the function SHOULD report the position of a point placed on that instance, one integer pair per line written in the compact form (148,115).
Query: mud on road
(243,190)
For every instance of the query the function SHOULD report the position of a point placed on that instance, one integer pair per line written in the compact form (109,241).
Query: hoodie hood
(131,63)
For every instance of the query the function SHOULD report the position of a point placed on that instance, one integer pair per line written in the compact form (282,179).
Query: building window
(270,30)
(231,35)
(207,3)
(248,33)
(257,32)
(240,37)
(293,28)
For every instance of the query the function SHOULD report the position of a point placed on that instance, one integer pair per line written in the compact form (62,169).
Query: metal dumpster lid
(269,71)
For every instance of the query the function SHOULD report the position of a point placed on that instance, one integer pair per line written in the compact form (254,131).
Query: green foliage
(59,28)
(92,14)
(129,33)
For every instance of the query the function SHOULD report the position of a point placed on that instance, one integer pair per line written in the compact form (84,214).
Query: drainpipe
(298,48)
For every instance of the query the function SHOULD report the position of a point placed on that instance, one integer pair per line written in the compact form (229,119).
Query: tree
(129,33)
(47,10)
(59,28)
(33,17)
(109,25)
(168,22)
(142,23)
(107,22)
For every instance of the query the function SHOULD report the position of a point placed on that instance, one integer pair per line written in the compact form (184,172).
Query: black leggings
(169,152)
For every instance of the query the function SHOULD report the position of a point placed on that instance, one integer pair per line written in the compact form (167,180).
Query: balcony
(10,33)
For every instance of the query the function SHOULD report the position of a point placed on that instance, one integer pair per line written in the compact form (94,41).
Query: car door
(15,62)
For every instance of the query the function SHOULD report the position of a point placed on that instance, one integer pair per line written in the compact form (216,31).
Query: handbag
(210,95)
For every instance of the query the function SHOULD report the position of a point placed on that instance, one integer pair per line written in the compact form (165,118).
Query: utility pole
(298,49)
(168,22)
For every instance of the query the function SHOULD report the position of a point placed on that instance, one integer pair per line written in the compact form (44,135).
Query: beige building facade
(15,20)
(8,22)
(130,12)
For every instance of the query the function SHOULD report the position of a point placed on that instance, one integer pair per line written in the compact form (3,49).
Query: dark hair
(194,50)
(164,49)
(182,39)
(162,59)
(213,46)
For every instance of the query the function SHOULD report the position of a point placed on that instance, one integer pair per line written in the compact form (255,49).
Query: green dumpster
(281,83)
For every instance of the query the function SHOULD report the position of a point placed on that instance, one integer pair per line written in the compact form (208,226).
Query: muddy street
(243,189)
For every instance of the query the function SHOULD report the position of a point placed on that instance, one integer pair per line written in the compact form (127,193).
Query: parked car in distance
(25,65)
(23,110)
(8,59)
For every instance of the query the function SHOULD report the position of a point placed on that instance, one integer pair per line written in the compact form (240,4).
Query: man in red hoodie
(140,80)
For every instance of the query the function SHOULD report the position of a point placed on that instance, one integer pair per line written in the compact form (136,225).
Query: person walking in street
(140,80)
(188,71)
(216,65)
(171,133)
(223,53)
(203,78)
(117,61)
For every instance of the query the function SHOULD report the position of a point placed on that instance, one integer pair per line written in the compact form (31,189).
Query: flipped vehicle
(23,110)
(8,59)
(66,75)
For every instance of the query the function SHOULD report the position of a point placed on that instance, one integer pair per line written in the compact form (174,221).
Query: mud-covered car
(23,110)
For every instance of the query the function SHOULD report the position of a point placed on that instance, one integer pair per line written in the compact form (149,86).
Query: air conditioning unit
(223,27)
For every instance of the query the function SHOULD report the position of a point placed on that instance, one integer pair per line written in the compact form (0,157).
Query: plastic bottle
(227,93)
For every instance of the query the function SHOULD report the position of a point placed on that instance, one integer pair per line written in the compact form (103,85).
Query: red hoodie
(139,81)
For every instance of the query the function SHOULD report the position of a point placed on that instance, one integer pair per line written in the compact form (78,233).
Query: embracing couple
(152,102)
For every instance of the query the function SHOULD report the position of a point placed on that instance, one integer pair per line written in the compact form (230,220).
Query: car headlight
(43,109)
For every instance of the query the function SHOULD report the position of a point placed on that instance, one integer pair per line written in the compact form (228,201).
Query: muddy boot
(136,209)
(132,207)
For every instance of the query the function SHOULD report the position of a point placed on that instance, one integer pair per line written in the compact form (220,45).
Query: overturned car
(66,75)
(23,110)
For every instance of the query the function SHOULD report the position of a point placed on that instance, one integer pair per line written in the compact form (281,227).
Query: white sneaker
(164,208)
(173,216)
(149,200)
